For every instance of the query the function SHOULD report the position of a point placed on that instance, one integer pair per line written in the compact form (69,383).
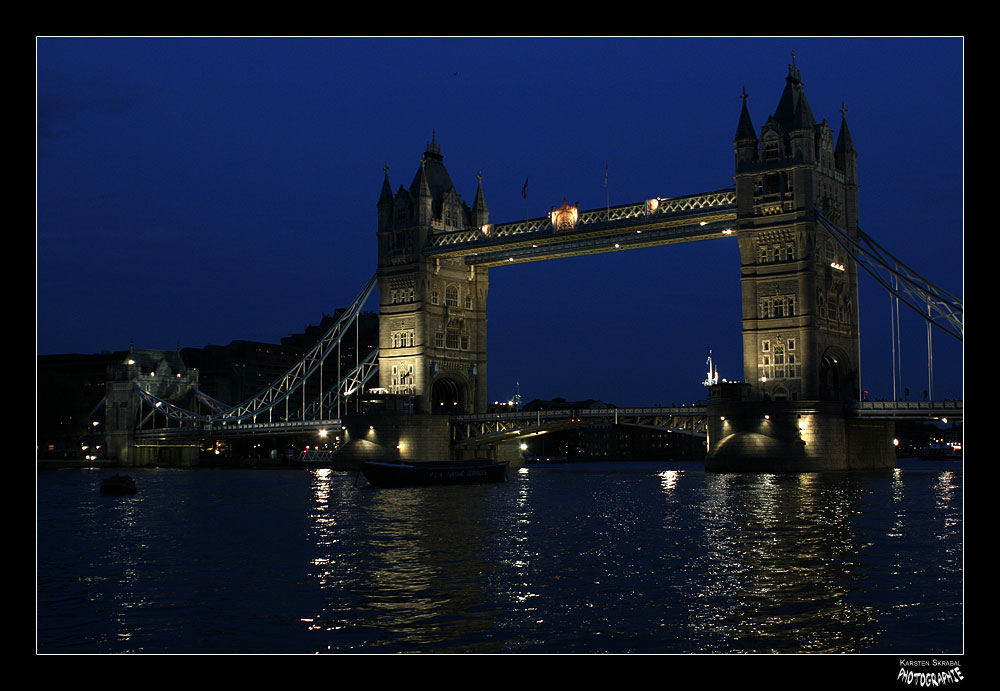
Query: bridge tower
(800,303)
(800,289)
(161,373)
(432,311)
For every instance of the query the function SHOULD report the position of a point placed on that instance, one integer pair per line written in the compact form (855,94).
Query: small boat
(119,484)
(468,472)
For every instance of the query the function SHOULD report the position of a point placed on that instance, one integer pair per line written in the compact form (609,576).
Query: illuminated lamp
(652,205)
(565,217)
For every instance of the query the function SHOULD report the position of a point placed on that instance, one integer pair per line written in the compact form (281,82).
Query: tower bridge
(793,213)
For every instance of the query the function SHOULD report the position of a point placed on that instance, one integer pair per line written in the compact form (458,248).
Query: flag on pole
(524,190)
(605,174)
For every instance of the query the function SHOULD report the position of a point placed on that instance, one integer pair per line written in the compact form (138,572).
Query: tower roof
(793,111)
(432,177)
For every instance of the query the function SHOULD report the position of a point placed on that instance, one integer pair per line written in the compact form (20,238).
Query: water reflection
(570,559)
(780,560)
(414,575)
(669,479)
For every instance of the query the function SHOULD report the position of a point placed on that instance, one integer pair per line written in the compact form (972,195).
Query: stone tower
(432,312)
(800,288)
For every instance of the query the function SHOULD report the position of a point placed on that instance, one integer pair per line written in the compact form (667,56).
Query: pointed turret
(385,202)
(745,141)
(744,130)
(420,190)
(480,213)
(846,155)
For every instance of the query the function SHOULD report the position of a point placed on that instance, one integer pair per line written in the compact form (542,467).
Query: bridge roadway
(495,428)
(659,221)
(237,429)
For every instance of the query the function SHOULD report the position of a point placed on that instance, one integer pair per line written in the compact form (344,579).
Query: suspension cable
(934,304)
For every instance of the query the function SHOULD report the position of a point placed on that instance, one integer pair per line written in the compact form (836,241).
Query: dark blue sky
(197,191)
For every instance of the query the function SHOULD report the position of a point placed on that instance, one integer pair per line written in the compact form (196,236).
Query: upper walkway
(567,232)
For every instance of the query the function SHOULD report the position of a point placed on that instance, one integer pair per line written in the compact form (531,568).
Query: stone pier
(794,436)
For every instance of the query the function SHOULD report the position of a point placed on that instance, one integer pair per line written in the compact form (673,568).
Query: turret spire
(744,130)
(844,142)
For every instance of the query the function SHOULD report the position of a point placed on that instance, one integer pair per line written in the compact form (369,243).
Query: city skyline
(198,191)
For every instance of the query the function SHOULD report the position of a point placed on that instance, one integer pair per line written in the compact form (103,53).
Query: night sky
(191,192)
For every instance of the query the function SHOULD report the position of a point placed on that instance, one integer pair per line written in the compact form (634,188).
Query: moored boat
(468,472)
(119,484)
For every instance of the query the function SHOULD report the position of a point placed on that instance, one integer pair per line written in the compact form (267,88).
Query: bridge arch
(835,376)
(448,395)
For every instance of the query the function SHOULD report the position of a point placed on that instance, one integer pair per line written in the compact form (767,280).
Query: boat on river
(467,472)
(119,484)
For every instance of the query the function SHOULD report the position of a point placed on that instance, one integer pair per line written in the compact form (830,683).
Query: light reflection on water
(577,558)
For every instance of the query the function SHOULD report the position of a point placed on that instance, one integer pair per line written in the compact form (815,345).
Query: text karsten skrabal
(930,678)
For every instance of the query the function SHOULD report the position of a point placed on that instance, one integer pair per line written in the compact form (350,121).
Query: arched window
(451,296)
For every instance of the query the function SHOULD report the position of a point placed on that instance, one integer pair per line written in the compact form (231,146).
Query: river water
(576,558)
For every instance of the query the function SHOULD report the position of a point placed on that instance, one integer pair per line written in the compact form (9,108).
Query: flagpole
(607,191)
